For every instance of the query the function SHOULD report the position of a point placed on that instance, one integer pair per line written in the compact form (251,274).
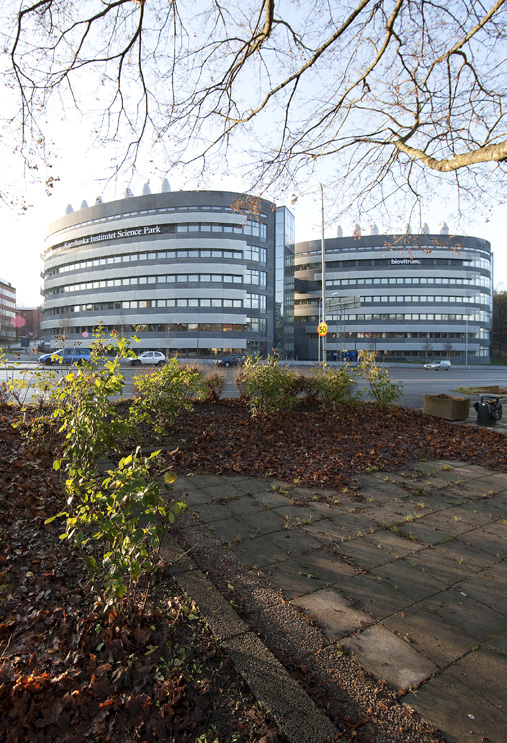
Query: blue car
(66,356)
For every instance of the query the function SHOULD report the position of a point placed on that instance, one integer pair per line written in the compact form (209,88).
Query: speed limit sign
(322,329)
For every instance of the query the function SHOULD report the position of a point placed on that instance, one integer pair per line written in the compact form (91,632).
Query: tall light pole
(466,341)
(323,263)
(323,272)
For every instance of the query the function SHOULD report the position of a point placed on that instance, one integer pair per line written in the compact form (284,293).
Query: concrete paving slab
(498,643)
(486,590)
(445,522)
(355,523)
(433,562)
(466,554)
(411,581)
(328,567)
(390,542)
(248,484)
(426,535)
(328,532)
(244,505)
(208,512)
(365,554)
(270,499)
(475,488)
(469,513)
(438,639)
(493,543)
(498,572)
(259,551)
(462,715)
(296,514)
(232,530)
(295,542)
(467,614)
(332,612)
(374,596)
(498,527)
(203,481)
(222,491)
(390,658)
(194,498)
(291,579)
(480,671)
(265,522)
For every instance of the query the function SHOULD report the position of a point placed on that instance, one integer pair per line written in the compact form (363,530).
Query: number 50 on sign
(322,329)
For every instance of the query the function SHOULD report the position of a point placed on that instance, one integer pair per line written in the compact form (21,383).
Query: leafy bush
(384,391)
(269,388)
(85,410)
(118,525)
(166,393)
(334,387)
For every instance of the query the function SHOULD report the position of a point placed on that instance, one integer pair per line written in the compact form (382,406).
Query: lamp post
(323,264)
(323,272)
(466,341)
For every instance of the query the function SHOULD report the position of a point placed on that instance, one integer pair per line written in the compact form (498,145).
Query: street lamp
(323,262)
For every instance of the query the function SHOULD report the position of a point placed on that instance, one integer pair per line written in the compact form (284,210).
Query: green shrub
(84,408)
(269,388)
(166,393)
(334,387)
(383,391)
(118,526)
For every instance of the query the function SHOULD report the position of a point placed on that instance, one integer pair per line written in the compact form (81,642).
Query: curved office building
(417,297)
(199,273)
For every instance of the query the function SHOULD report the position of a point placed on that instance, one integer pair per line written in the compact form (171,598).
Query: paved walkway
(409,573)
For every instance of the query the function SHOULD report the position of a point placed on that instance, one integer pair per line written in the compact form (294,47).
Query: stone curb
(294,712)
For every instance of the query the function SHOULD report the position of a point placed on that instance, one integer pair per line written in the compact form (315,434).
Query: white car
(438,365)
(152,358)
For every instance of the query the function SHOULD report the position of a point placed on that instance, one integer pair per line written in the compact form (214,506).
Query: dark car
(66,356)
(234,360)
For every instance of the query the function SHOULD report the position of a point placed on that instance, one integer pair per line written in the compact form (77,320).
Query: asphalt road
(416,381)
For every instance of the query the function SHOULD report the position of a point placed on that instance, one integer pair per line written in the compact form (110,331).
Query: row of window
(410,280)
(404,299)
(479,333)
(255,278)
(473,317)
(250,253)
(253,228)
(252,325)
(251,301)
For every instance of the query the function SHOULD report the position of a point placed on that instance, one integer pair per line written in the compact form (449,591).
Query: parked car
(438,365)
(234,360)
(153,358)
(66,356)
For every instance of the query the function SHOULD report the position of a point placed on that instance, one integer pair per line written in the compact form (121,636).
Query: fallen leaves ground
(68,671)
(317,450)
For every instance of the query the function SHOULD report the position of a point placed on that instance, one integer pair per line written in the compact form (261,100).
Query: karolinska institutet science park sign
(158,229)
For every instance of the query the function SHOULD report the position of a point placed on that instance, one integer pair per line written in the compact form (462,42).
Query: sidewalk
(407,573)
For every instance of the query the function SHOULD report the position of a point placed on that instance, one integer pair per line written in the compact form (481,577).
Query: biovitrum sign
(405,261)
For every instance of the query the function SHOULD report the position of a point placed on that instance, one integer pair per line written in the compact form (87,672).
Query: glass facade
(284,282)
(420,297)
(202,272)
